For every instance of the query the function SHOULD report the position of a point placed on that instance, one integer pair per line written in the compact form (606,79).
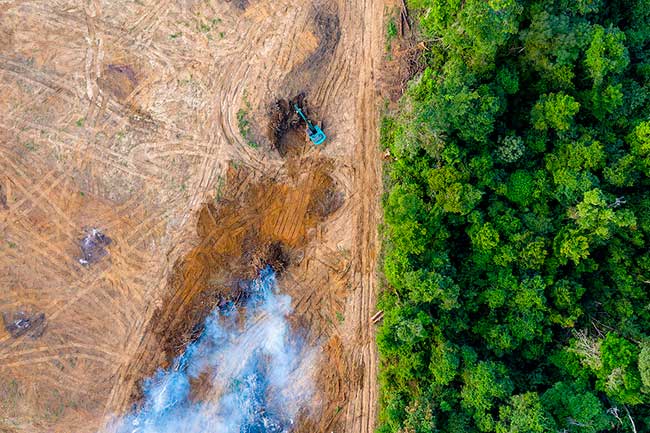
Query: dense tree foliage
(517,222)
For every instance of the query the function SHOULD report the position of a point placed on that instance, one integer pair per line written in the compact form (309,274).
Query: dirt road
(150,121)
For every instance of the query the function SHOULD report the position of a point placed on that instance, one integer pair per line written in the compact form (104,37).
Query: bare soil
(125,117)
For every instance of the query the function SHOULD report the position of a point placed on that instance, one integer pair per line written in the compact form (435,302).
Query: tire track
(166,144)
(362,417)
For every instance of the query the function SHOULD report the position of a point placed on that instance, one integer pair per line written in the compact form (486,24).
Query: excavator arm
(316,134)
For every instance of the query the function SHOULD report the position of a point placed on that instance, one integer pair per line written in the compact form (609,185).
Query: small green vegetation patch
(244,123)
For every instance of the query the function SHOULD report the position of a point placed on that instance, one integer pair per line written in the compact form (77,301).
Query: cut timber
(404,21)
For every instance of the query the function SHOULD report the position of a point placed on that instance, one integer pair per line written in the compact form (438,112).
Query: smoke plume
(258,373)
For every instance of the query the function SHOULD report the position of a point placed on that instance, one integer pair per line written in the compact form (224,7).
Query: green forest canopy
(517,222)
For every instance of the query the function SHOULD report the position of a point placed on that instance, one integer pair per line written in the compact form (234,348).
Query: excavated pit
(287,130)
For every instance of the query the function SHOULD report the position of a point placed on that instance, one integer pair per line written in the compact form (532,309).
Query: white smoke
(259,373)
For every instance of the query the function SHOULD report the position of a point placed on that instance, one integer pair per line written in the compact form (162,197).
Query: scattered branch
(630,418)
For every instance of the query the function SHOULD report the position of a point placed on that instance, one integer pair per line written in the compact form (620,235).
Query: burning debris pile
(256,367)
(93,246)
(22,323)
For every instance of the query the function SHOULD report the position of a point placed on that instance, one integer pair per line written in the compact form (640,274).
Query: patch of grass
(11,245)
(80,122)
(244,124)
(30,146)
(207,27)
(340,317)
(175,35)
(391,31)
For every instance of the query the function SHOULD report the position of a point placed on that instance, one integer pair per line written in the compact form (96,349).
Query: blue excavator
(316,135)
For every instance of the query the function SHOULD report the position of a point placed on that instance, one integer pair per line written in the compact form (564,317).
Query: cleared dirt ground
(126,116)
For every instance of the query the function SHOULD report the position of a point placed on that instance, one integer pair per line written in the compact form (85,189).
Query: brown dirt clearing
(125,117)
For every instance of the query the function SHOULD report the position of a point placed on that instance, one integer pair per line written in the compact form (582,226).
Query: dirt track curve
(125,115)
